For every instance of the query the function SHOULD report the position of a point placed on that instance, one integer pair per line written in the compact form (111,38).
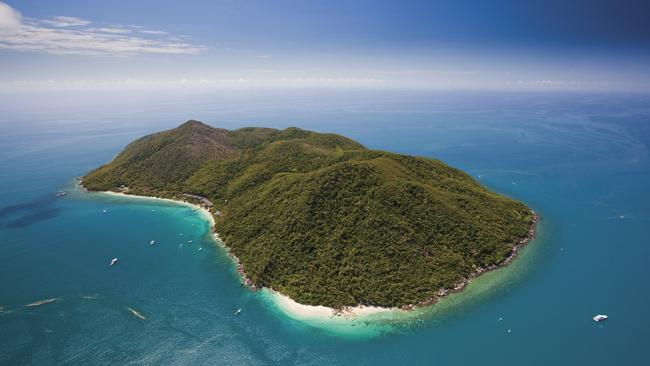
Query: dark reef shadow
(39,209)
(34,217)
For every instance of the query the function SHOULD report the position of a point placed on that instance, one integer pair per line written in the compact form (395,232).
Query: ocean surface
(581,160)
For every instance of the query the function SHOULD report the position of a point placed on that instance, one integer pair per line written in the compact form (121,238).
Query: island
(322,219)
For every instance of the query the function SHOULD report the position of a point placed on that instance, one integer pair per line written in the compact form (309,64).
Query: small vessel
(152,242)
(200,249)
(104,211)
(113,261)
(600,317)
(189,242)
(238,311)
(136,313)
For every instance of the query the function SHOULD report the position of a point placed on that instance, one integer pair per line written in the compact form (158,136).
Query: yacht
(600,318)
(113,261)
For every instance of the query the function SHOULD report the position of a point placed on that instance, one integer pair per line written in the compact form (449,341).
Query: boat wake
(136,313)
(42,302)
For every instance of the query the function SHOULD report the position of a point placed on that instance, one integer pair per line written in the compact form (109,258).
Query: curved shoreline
(318,312)
(441,293)
(196,207)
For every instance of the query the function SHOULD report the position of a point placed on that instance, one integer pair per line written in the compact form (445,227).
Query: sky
(598,45)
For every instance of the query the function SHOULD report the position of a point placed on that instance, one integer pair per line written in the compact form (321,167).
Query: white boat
(104,211)
(238,311)
(152,242)
(189,242)
(600,317)
(113,261)
(200,249)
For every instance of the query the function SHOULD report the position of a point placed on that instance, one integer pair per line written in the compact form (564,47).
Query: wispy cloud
(62,22)
(63,35)
(146,31)
(111,29)
(193,83)
(570,84)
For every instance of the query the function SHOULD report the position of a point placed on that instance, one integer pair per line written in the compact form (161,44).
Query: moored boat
(600,317)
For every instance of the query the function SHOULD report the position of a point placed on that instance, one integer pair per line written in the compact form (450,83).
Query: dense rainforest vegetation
(322,219)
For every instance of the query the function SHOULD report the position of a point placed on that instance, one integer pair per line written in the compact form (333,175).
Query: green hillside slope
(324,220)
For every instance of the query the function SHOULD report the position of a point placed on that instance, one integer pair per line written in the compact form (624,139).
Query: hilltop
(324,220)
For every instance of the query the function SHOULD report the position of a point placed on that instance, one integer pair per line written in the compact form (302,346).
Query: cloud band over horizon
(409,44)
(64,35)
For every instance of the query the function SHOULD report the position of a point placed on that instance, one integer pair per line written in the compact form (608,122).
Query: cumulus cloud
(9,18)
(63,35)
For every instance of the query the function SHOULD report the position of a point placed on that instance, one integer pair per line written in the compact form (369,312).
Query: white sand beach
(311,312)
(205,213)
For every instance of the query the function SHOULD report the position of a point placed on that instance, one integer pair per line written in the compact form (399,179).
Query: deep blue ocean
(581,160)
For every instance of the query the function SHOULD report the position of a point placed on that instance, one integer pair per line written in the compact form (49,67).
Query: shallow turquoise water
(581,160)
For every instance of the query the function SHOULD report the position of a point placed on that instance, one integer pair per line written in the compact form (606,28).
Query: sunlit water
(580,160)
